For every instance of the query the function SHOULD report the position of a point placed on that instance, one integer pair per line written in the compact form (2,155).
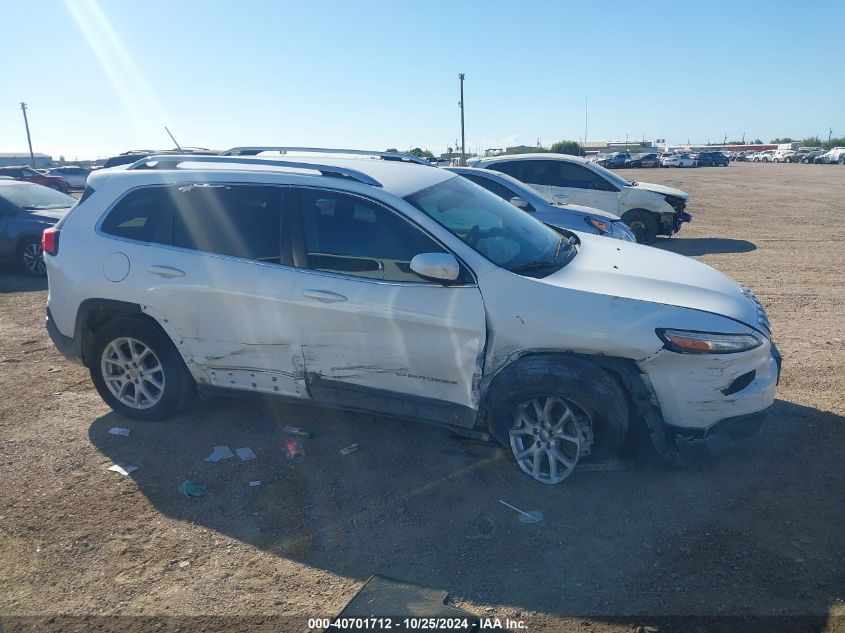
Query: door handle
(326,296)
(168,272)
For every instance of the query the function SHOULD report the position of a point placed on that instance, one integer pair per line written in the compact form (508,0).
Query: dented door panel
(417,339)
(232,320)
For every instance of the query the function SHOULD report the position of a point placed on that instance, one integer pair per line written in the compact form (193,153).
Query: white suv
(403,289)
(648,210)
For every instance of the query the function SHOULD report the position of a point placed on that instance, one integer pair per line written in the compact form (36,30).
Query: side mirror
(442,266)
(519,203)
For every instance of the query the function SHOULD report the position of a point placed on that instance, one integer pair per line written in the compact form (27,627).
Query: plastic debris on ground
(219,453)
(189,489)
(298,430)
(122,470)
(349,449)
(525,517)
(255,483)
(245,453)
(116,430)
(294,453)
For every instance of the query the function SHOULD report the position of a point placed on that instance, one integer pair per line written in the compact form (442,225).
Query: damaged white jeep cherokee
(376,284)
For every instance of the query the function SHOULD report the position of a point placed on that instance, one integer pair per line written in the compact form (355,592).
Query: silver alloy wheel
(33,258)
(133,373)
(546,438)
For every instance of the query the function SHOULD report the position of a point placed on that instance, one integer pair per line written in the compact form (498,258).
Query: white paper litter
(255,483)
(219,452)
(116,430)
(123,470)
(245,453)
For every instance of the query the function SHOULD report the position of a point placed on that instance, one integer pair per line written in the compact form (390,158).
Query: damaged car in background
(369,281)
(649,210)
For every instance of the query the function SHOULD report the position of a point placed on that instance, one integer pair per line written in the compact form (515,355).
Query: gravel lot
(757,533)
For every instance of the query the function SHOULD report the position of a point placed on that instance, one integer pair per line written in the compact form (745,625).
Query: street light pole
(28,139)
(463,137)
(586,99)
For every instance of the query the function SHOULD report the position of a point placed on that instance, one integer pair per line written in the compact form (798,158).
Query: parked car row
(804,155)
(427,293)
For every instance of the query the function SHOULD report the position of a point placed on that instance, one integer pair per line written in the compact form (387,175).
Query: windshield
(36,197)
(496,229)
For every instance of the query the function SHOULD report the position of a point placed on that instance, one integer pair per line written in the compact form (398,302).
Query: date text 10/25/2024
(415,624)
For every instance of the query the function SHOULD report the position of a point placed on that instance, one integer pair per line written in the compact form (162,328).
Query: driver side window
(351,236)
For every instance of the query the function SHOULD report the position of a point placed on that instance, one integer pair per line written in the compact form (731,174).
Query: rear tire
(643,224)
(137,370)
(551,410)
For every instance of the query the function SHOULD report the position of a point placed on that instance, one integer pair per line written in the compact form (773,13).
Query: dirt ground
(758,533)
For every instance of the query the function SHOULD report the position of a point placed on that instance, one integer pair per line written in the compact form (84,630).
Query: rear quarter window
(138,215)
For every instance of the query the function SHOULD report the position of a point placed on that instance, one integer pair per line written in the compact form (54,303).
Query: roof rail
(397,156)
(171,161)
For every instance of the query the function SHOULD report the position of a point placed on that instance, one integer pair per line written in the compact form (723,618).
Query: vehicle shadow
(750,533)
(693,246)
(11,280)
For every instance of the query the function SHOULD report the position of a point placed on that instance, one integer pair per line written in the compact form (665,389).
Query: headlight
(622,232)
(688,342)
(602,226)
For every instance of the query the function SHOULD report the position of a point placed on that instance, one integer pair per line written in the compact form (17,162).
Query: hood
(48,214)
(666,191)
(644,273)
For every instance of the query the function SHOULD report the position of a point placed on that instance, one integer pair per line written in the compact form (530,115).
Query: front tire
(137,370)
(552,411)
(643,224)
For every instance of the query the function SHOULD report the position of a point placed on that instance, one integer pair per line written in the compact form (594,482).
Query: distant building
(605,147)
(22,158)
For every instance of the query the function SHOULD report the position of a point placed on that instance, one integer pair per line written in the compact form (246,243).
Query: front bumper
(723,437)
(695,392)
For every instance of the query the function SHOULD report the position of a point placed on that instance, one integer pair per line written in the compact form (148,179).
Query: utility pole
(28,139)
(463,137)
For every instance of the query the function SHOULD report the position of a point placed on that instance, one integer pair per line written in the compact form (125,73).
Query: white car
(649,210)
(782,156)
(763,157)
(569,217)
(400,289)
(835,155)
(678,160)
(75,176)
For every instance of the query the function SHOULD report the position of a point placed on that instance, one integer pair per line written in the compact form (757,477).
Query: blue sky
(102,76)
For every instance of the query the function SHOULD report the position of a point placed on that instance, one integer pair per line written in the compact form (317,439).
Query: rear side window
(240,221)
(138,214)
(490,185)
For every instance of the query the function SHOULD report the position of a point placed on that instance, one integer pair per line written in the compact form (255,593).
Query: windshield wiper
(542,263)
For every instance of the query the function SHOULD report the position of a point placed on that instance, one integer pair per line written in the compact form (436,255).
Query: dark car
(26,210)
(615,161)
(712,159)
(132,156)
(643,160)
(810,157)
(27,174)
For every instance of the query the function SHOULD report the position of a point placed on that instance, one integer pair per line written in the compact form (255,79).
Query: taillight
(50,241)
